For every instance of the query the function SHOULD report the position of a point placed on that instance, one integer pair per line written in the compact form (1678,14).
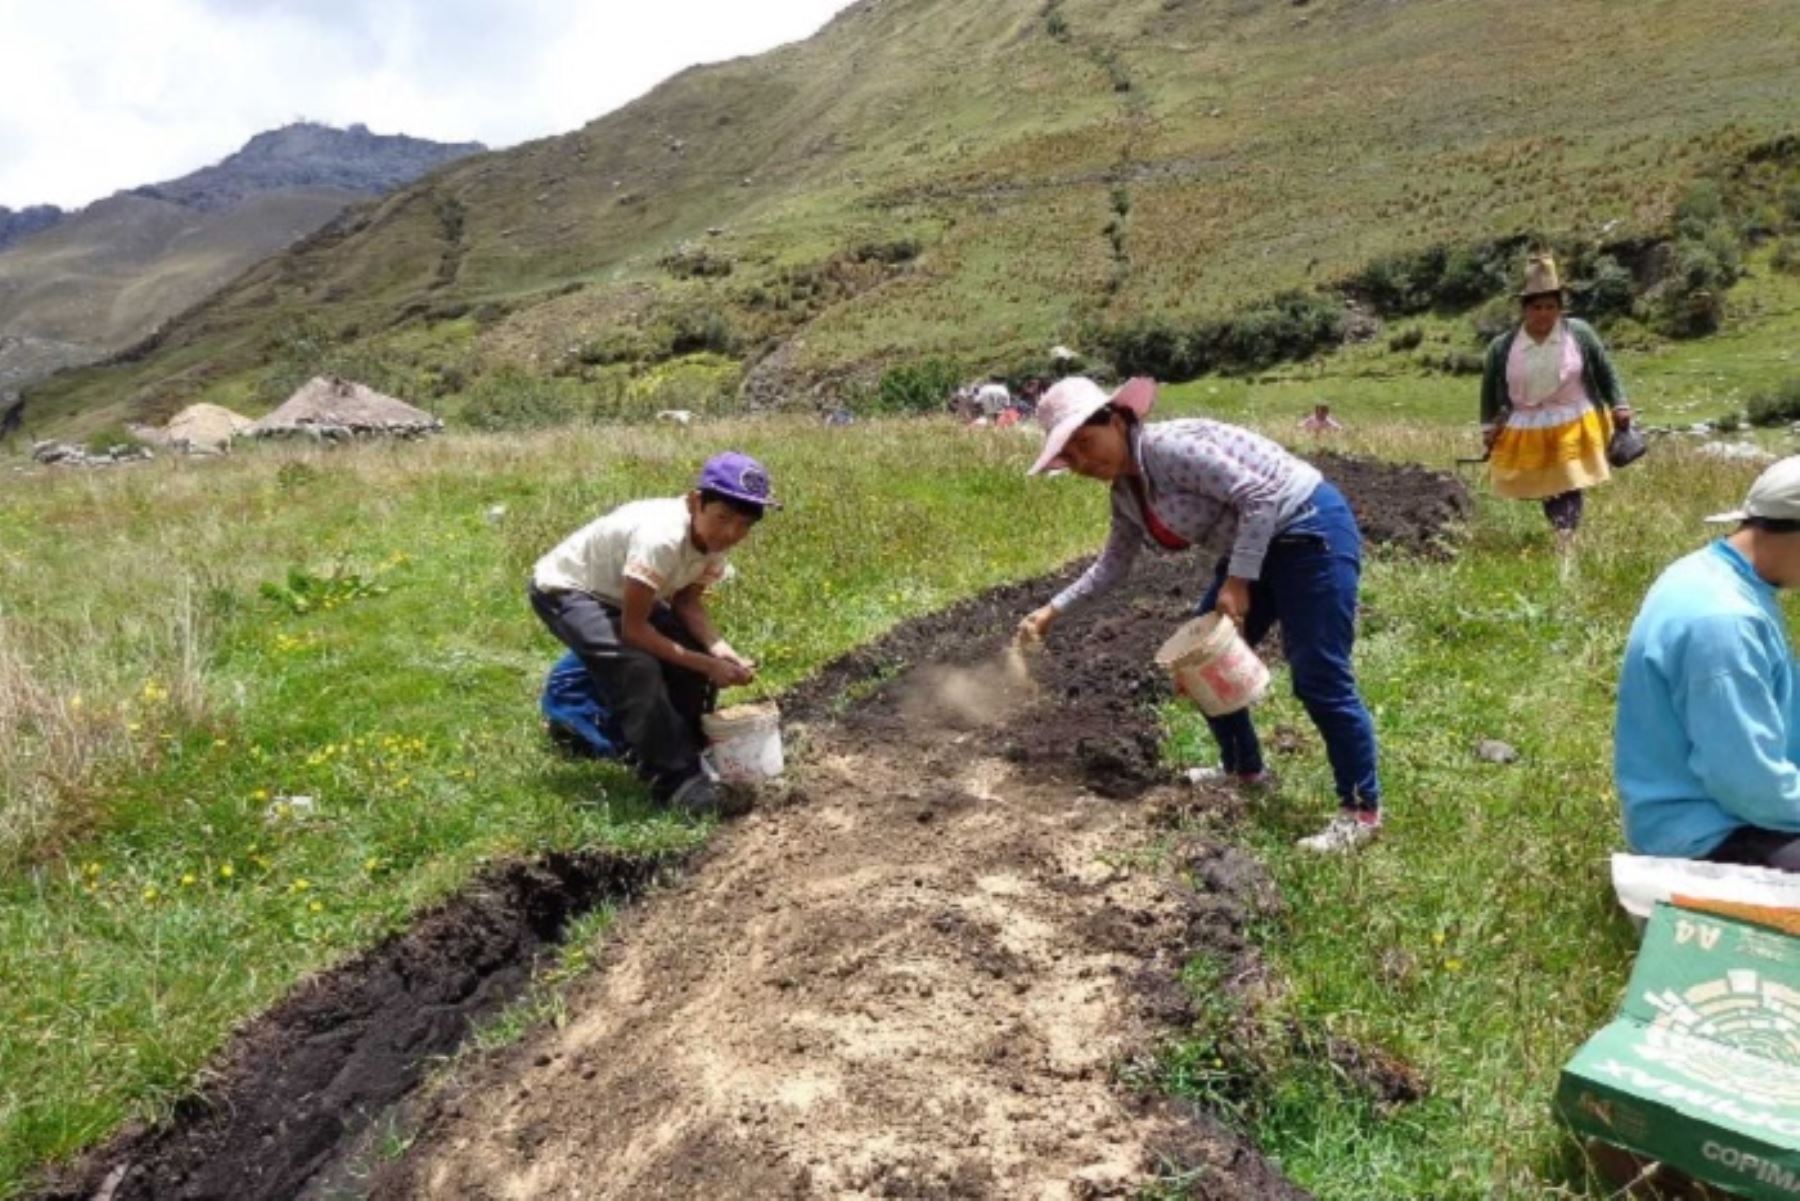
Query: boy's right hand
(727,673)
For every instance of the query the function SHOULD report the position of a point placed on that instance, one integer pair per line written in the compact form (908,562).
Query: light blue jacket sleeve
(1740,729)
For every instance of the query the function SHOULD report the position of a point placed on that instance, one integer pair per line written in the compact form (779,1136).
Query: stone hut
(335,410)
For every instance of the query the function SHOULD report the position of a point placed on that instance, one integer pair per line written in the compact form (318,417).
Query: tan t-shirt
(647,540)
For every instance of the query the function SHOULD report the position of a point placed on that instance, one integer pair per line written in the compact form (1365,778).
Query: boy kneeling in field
(626,593)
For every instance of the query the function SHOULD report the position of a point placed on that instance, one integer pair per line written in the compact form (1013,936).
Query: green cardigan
(1603,386)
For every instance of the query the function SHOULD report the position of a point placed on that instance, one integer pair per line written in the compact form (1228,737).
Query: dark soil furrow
(921,980)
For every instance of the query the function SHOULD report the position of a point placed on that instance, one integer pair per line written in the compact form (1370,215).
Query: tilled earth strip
(923,978)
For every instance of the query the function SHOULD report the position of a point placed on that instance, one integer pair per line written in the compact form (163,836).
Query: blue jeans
(1308,584)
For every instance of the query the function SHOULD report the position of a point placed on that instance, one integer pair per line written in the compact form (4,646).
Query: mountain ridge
(1054,165)
(77,286)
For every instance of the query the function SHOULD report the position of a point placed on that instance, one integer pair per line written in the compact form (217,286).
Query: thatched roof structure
(206,427)
(332,408)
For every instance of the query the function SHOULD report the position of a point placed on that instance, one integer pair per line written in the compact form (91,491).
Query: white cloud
(97,95)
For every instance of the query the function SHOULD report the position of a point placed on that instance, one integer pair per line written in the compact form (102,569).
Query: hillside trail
(933,974)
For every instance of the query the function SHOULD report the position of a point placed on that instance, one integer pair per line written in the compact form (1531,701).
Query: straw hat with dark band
(1541,278)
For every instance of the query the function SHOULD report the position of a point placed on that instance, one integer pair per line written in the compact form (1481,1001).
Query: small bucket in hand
(1213,666)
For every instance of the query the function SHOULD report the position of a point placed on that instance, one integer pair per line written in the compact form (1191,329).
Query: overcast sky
(98,95)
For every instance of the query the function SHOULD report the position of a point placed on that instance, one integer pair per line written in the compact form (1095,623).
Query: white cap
(1775,495)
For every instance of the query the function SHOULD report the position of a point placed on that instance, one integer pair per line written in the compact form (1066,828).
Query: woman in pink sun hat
(1288,549)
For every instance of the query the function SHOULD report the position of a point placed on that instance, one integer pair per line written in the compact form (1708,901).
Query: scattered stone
(1492,750)
(1736,452)
(67,454)
(290,809)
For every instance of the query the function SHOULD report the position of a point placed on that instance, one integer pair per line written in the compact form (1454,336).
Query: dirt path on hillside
(925,978)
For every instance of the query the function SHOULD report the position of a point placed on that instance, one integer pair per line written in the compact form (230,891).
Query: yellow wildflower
(316,907)
(188,880)
(151,893)
(260,794)
(300,885)
(226,871)
(1453,965)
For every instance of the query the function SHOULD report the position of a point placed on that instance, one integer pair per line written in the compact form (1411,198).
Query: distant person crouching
(1707,749)
(627,594)
(1320,421)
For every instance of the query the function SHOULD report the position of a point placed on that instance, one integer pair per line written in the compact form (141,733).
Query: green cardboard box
(1701,1069)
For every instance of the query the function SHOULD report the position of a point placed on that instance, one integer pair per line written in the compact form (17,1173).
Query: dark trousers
(656,705)
(1308,586)
(1563,511)
(1756,847)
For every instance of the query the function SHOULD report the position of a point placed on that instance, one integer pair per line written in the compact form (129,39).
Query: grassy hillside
(109,275)
(1051,164)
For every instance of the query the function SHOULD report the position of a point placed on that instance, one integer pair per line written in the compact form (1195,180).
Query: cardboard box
(1701,1069)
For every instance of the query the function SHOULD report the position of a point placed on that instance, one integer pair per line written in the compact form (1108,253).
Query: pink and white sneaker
(1348,830)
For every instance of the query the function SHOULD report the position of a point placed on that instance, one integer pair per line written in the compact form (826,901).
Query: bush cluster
(1291,326)
(1778,406)
(1448,278)
(892,251)
(689,261)
(920,387)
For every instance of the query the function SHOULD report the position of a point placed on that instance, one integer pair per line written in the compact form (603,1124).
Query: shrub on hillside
(1786,258)
(1406,339)
(920,387)
(1608,291)
(689,261)
(1436,277)
(1494,318)
(1291,326)
(695,329)
(511,399)
(617,345)
(706,384)
(1689,302)
(892,251)
(1459,362)
(1778,406)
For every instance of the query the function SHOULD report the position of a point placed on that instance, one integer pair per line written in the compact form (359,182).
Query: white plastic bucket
(745,742)
(1213,666)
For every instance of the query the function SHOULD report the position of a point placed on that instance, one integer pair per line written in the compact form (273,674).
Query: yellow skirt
(1534,462)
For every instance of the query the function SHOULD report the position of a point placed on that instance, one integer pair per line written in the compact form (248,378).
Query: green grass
(1479,940)
(157,705)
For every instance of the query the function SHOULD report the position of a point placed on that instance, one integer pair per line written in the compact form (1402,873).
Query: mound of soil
(1400,505)
(921,981)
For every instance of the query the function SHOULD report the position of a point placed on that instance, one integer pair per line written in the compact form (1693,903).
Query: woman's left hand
(1622,416)
(1234,599)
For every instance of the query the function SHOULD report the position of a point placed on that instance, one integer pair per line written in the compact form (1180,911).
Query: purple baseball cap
(735,474)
